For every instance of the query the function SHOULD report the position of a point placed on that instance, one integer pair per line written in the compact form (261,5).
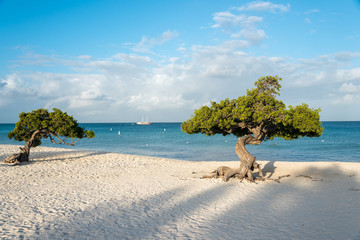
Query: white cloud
(346,56)
(124,84)
(148,102)
(349,74)
(252,35)
(348,99)
(240,26)
(225,47)
(146,44)
(228,20)
(312,11)
(85,57)
(14,85)
(31,58)
(246,27)
(225,20)
(349,88)
(264,6)
(116,88)
(251,20)
(182,49)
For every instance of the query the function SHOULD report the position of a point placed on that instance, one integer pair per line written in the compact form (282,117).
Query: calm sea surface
(339,142)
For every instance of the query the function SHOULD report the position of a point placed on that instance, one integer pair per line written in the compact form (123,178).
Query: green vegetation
(253,118)
(38,124)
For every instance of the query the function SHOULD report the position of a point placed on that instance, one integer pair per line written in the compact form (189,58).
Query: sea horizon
(165,139)
(177,122)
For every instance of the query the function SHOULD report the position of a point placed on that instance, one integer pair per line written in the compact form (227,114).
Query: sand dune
(67,194)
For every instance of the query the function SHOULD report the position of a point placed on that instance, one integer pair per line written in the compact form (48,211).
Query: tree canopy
(56,125)
(258,113)
(253,118)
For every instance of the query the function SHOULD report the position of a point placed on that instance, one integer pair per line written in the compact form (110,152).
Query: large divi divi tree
(58,126)
(253,118)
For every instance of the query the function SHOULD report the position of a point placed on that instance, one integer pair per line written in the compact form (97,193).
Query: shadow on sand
(267,210)
(52,156)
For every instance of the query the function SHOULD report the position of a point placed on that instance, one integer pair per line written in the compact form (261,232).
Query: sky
(116,61)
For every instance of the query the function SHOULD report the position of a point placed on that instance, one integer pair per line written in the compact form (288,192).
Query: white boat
(144,123)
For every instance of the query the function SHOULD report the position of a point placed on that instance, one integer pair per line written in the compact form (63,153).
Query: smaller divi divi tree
(253,118)
(58,126)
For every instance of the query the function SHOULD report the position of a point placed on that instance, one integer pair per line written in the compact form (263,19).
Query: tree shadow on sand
(305,206)
(63,155)
(297,208)
(53,156)
(269,169)
(140,220)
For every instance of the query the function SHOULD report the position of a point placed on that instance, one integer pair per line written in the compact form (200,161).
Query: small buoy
(164,129)
(110,129)
(187,142)
(323,140)
(119,133)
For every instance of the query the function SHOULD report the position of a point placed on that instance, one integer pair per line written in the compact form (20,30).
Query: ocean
(339,142)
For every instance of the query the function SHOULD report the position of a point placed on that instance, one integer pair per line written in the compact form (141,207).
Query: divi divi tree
(58,126)
(254,118)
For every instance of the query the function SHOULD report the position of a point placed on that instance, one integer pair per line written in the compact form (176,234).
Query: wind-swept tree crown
(258,113)
(53,125)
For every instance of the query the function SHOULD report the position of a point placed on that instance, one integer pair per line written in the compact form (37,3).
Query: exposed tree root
(312,179)
(273,179)
(223,172)
(17,158)
(226,173)
(14,159)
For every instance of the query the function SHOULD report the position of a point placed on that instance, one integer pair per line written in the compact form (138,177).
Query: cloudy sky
(115,61)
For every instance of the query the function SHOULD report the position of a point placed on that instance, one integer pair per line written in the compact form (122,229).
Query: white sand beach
(68,194)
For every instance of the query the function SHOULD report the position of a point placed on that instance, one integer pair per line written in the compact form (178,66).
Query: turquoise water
(339,142)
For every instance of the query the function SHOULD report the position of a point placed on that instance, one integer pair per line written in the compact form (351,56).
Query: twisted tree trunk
(24,154)
(247,161)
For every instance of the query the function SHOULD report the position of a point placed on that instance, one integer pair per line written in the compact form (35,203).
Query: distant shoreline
(167,140)
(169,122)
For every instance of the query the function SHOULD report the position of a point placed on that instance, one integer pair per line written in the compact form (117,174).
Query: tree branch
(61,141)
(259,132)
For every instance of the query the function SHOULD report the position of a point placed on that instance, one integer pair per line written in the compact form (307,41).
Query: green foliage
(55,124)
(258,109)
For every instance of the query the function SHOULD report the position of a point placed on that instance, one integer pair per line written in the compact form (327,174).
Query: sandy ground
(66,194)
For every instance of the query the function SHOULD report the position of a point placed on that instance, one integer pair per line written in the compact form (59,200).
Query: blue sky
(114,61)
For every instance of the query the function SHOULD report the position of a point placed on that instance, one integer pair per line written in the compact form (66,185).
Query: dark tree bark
(247,161)
(24,154)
